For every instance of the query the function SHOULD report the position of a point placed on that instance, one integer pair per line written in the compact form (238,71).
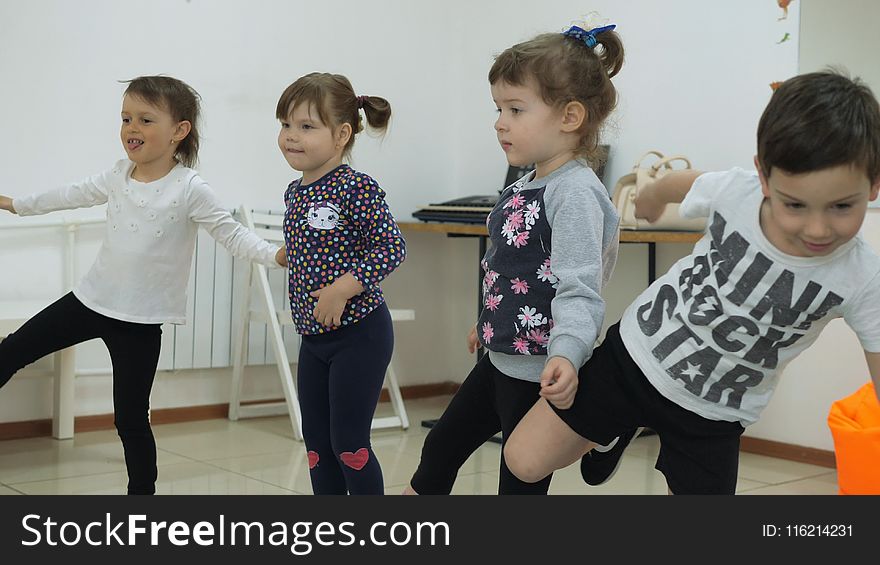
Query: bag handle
(667,162)
(649,153)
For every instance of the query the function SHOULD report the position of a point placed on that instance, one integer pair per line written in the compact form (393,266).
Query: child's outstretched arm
(205,209)
(89,192)
(672,188)
(6,204)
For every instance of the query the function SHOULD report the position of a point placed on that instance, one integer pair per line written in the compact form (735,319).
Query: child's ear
(875,190)
(343,134)
(574,114)
(181,131)
(765,189)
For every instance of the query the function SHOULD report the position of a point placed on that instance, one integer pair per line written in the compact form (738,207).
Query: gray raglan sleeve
(577,219)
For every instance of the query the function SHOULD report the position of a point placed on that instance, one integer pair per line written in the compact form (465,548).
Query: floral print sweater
(554,246)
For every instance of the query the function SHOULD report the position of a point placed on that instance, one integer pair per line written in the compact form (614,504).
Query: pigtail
(377,111)
(611,53)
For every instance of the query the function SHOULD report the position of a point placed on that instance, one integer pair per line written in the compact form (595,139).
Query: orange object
(855,427)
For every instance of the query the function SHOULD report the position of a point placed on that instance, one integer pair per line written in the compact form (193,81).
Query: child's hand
(648,206)
(6,204)
(472,342)
(559,382)
(281,256)
(331,304)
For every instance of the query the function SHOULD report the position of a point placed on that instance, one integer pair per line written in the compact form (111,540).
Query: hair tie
(587,37)
(360,101)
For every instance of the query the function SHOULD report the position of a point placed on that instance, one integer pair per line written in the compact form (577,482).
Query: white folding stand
(270,228)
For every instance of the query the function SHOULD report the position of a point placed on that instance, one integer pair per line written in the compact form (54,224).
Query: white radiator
(214,296)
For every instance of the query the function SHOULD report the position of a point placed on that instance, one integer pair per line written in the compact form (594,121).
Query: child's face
(308,144)
(529,130)
(147,133)
(812,214)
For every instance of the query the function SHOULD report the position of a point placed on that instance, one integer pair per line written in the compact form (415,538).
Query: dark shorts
(697,455)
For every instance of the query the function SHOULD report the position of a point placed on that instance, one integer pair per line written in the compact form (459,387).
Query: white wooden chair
(269,227)
(12,316)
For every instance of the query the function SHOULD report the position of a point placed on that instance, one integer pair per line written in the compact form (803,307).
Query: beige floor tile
(183,478)
(646,447)
(636,475)
(821,485)
(88,453)
(289,471)
(5,491)
(397,466)
(745,485)
(260,456)
(419,409)
(774,471)
(476,484)
(471,484)
(216,439)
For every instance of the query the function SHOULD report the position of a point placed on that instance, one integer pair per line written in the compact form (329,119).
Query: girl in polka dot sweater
(342,241)
(155,206)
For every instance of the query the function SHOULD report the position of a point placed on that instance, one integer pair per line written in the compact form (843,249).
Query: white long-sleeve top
(143,266)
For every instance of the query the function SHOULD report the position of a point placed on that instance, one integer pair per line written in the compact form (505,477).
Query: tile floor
(259,456)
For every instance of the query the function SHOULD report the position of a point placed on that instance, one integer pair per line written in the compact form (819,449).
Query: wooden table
(651,238)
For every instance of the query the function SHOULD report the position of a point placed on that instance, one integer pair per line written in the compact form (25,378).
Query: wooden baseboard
(791,452)
(31,428)
(422,391)
(43,428)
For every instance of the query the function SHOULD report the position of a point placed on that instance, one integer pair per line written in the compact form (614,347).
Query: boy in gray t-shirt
(697,355)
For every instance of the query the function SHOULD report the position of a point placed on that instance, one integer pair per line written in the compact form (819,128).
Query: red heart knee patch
(313,459)
(355,460)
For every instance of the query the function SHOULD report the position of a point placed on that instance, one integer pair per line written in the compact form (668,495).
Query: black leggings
(134,352)
(488,402)
(339,380)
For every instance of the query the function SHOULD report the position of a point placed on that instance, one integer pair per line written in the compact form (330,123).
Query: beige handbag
(629,186)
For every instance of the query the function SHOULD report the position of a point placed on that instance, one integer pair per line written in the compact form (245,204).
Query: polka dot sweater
(336,225)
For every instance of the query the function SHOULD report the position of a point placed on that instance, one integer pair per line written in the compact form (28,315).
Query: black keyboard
(468,210)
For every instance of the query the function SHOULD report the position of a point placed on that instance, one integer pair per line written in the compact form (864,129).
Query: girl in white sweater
(155,205)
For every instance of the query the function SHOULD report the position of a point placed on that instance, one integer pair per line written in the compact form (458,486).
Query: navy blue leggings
(134,352)
(339,380)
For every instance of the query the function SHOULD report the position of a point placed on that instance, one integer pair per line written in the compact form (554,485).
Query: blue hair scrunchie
(587,36)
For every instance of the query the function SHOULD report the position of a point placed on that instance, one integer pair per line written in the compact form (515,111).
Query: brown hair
(181,101)
(336,103)
(567,70)
(819,120)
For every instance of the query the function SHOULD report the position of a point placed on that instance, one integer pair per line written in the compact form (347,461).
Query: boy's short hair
(819,120)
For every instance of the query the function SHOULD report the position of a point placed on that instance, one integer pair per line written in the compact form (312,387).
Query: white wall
(695,82)
(695,79)
(842,34)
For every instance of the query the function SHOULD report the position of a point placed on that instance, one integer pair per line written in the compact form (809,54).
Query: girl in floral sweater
(554,245)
